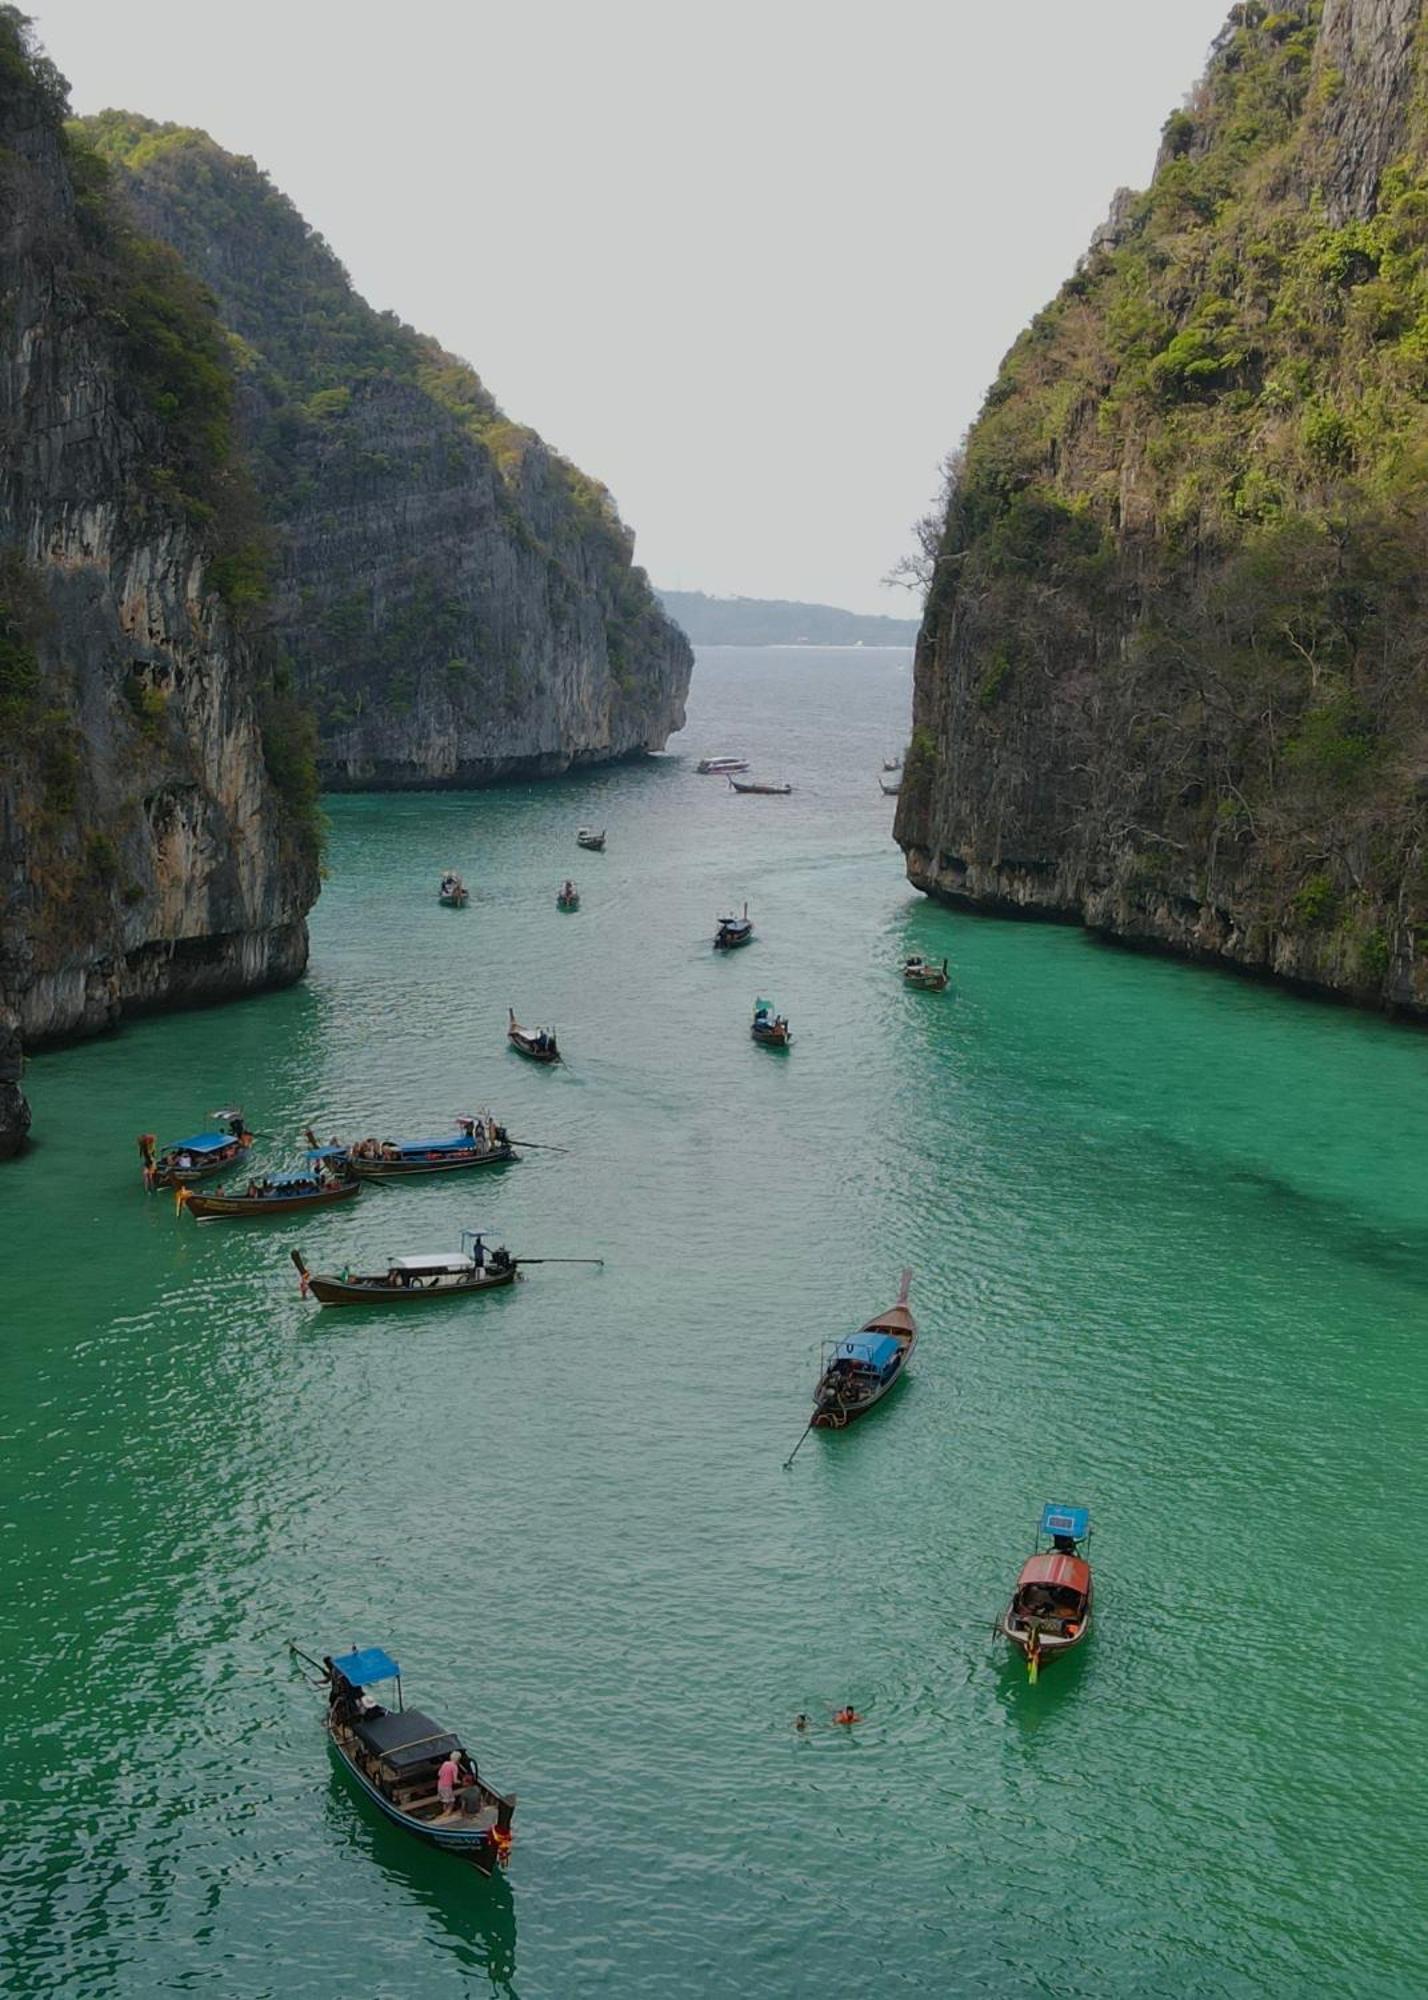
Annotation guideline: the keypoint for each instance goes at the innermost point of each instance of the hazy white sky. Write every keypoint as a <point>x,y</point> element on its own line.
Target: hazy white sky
<point>753,265</point>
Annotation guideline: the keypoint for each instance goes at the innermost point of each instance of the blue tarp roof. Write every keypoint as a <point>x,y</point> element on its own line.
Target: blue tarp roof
<point>1059,1519</point>
<point>206,1142</point>
<point>874,1350</point>
<point>435,1145</point>
<point>367,1664</point>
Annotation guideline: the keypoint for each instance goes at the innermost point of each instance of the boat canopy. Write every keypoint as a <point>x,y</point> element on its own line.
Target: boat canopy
<point>327,1153</point>
<point>1059,1519</point>
<point>875,1350</point>
<point>206,1142</point>
<point>457,1141</point>
<point>1060,1572</point>
<point>405,1740</point>
<point>367,1664</point>
<point>438,1260</point>
<point>287,1181</point>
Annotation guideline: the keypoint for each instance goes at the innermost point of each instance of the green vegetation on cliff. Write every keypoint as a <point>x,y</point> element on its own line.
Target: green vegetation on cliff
<point>436,561</point>
<point>1175,642</point>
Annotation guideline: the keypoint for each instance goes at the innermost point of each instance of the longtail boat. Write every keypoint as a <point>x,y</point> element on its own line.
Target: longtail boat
<point>587,837</point>
<point>1050,1609</point>
<point>453,891</point>
<point>768,1028</point>
<point>731,932</point>
<point>861,1370</point>
<point>439,1274</point>
<point>925,974</point>
<point>892,763</point>
<point>891,790</point>
<point>275,1194</point>
<point>765,791</point>
<point>539,1044</point>
<point>417,1774</point>
<point>568,896</point>
<point>477,1142</point>
<point>195,1159</point>
<point>720,766</point>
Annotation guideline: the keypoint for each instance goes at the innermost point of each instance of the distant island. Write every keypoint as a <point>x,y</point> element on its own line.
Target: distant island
<point>776,621</point>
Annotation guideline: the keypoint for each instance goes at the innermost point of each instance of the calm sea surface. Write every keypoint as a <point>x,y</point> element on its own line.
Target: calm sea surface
<point>1171,1248</point>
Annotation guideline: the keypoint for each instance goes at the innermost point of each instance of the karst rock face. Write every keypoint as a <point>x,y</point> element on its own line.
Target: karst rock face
<point>458,602</point>
<point>1172,676</point>
<point>147,855</point>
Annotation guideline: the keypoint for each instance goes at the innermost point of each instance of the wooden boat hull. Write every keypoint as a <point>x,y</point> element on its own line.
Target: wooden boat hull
<point>733,943</point>
<point>848,1413</point>
<point>484,1845</point>
<point>763,791</point>
<point>176,1177</point>
<point>331,1291</point>
<point>213,1207</point>
<point>937,985</point>
<point>567,902</point>
<point>767,1040</point>
<point>591,846</point>
<point>1053,1644</point>
<point>523,1047</point>
<point>395,1170</point>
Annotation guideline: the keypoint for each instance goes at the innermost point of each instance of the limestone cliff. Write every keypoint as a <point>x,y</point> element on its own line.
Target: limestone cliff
<point>458,602</point>
<point>1172,677</point>
<point>155,838</point>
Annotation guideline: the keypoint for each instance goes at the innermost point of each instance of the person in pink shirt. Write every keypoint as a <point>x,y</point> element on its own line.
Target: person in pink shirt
<point>447,1779</point>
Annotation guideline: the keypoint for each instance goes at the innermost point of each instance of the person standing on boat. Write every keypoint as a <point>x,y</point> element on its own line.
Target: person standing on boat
<point>478,1255</point>
<point>447,1779</point>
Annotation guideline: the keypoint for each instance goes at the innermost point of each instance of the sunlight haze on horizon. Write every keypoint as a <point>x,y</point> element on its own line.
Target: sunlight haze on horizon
<point>753,267</point>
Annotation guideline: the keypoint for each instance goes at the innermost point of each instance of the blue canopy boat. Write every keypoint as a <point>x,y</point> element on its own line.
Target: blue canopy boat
<point>206,1154</point>
<point>477,1142</point>
<point>274,1194</point>
<point>861,1370</point>
<point>417,1774</point>
<point>770,1027</point>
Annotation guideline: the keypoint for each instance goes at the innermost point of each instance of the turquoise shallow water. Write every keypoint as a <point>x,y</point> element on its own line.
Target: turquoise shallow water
<point>1171,1259</point>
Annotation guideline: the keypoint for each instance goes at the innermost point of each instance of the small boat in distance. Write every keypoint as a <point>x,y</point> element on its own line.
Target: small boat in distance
<point>594,841</point>
<point>860,1371</point>
<point>892,763</point>
<point>890,790</point>
<point>196,1159</point>
<point>765,791</point>
<point>416,1773</point>
<point>769,1028</point>
<point>476,1142</point>
<point>453,891</point>
<point>1050,1609</point>
<point>440,1274</point>
<point>568,896</point>
<point>275,1194</point>
<point>720,766</point>
<point>539,1044</point>
<point>733,931</point>
<point>925,974</point>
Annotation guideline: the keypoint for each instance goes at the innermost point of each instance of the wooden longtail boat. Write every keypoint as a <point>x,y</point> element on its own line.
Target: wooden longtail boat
<point>925,974</point>
<point>769,1029</point>
<point>1050,1609</point>
<point>720,766</point>
<point>539,1044</point>
<point>594,841</point>
<point>860,1371</point>
<point>276,1195</point>
<point>731,932</point>
<point>892,763</point>
<point>441,1274</point>
<point>417,1774</point>
<point>478,1142</point>
<point>765,791</point>
<point>453,891</point>
<point>890,790</point>
<point>568,897</point>
<point>196,1159</point>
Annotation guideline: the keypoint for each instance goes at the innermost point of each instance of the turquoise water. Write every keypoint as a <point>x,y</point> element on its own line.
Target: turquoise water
<point>1171,1258</point>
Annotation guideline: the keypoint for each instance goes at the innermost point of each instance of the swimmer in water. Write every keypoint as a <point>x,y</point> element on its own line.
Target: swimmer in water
<point>847,1715</point>
<point>800,1722</point>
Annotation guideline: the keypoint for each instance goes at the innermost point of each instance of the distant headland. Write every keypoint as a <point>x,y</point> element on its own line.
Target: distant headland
<point>776,621</point>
